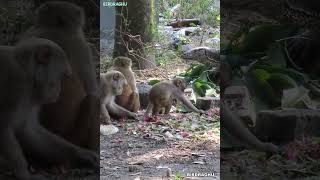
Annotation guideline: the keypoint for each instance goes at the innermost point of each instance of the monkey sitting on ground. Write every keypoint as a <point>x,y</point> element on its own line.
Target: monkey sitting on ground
<point>162,95</point>
<point>232,123</point>
<point>30,76</point>
<point>129,99</point>
<point>111,85</point>
<point>75,115</point>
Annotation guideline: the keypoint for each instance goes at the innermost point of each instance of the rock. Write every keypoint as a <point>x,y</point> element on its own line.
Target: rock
<point>239,101</point>
<point>187,31</point>
<point>202,54</point>
<point>206,103</point>
<point>286,125</point>
<point>186,47</point>
<point>195,31</point>
<point>135,168</point>
<point>213,41</point>
<point>143,90</point>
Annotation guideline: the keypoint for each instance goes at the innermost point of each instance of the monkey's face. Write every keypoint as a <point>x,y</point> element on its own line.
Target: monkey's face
<point>117,83</point>
<point>122,61</point>
<point>180,83</point>
<point>60,14</point>
<point>45,64</point>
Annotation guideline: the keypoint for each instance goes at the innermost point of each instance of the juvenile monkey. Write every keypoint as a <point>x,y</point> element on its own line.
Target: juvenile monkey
<point>75,115</point>
<point>111,84</point>
<point>162,95</point>
<point>129,99</point>
<point>30,76</point>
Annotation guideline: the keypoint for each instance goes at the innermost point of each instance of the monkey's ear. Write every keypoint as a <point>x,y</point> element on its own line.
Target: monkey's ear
<point>116,76</point>
<point>43,55</point>
<point>178,82</point>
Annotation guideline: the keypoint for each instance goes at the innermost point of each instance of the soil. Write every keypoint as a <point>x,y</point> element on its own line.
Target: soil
<point>128,156</point>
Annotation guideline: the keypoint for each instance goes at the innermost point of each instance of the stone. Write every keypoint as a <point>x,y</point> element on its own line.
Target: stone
<point>206,103</point>
<point>135,168</point>
<point>143,90</point>
<point>288,124</point>
<point>202,54</point>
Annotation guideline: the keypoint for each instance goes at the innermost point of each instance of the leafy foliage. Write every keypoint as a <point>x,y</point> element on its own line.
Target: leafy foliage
<point>202,79</point>
<point>259,55</point>
<point>153,82</point>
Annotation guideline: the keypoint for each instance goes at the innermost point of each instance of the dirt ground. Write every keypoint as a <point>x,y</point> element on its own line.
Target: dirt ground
<point>128,156</point>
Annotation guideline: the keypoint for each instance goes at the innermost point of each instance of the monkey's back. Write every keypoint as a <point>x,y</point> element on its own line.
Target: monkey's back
<point>161,91</point>
<point>59,116</point>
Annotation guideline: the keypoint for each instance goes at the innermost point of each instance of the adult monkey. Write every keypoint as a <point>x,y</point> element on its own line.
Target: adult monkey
<point>30,75</point>
<point>129,99</point>
<point>232,122</point>
<point>75,116</point>
<point>112,84</point>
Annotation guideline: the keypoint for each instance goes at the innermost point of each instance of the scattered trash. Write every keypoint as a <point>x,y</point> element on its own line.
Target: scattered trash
<point>107,130</point>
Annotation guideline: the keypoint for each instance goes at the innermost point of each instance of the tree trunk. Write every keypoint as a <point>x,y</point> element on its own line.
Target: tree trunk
<point>135,28</point>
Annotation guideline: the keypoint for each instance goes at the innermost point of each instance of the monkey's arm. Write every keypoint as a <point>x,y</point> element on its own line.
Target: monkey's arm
<point>134,102</point>
<point>54,149</point>
<point>233,125</point>
<point>149,109</point>
<point>179,95</point>
<point>104,114</point>
<point>120,111</point>
<point>13,153</point>
<point>132,84</point>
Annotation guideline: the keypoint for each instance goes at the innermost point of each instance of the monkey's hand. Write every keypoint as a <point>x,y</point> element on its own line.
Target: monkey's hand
<point>105,119</point>
<point>201,111</point>
<point>133,115</point>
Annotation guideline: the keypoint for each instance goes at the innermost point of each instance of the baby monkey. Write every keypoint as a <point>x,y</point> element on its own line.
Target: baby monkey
<point>111,85</point>
<point>162,95</point>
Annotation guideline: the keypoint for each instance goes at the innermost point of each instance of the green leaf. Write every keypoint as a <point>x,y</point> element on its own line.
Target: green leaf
<point>263,89</point>
<point>153,82</point>
<point>280,82</point>
<point>261,73</point>
<point>260,37</point>
<point>277,55</point>
<point>297,76</point>
<point>200,87</point>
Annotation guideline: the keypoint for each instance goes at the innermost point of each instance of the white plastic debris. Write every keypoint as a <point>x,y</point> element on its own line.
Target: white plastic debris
<point>107,130</point>
<point>168,135</point>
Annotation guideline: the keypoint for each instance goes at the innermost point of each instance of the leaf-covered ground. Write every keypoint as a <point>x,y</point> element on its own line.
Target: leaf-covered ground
<point>299,160</point>
<point>161,147</point>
